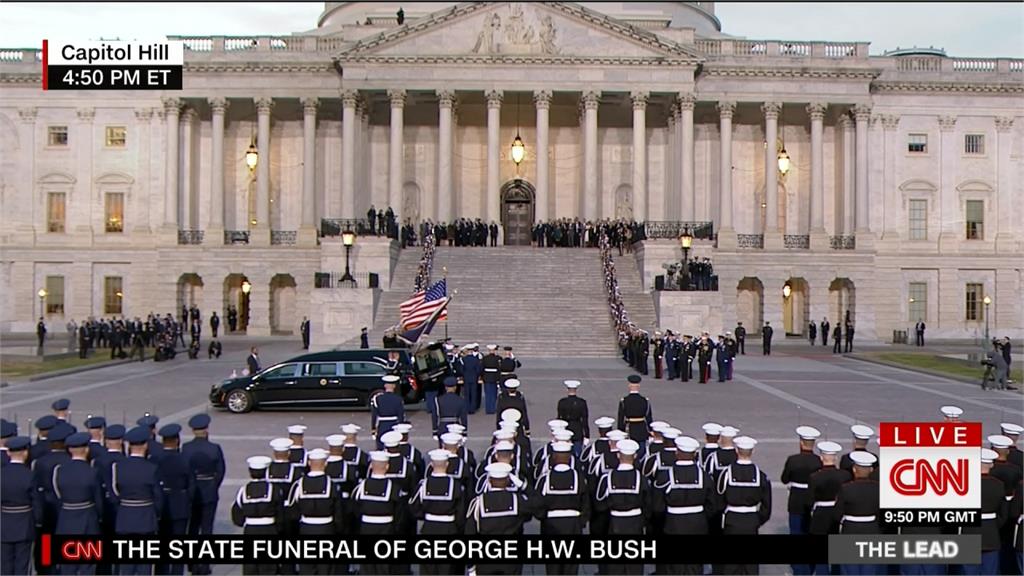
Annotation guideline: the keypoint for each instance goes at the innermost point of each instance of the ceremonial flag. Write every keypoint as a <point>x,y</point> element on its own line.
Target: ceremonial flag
<point>409,305</point>
<point>412,336</point>
<point>433,299</point>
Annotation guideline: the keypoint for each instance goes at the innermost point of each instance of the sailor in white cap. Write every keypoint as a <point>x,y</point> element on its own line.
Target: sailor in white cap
<point>623,492</point>
<point>600,444</point>
<point>376,502</point>
<point>562,501</point>
<point>281,471</point>
<point>257,505</point>
<point>1013,432</point>
<point>408,451</point>
<point>490,364</point>
<point>797,474</point>
<point>726,453</point>
<point>508,366</point>
<point>857,501</point>
<point>344,474</point>
<point>512,397</point>
<point>686,496</point>
<point>386,408</point>
<point>297,453</point>
<point>861,435</point>
<point>351,451</point>
<point>712,434</point>
<point>457,467</point>
<point>607,461</point>
<point>575,412</point>
<point>439,502</point>
<point>824,487</point>
<point>313,501</point>
<point>993,518</point>
<point>655,441</point>
<point>951,413</point>
<point>656,463</point>
<point>498,511</point>
<point>746,493</point>
<point>400,470</point>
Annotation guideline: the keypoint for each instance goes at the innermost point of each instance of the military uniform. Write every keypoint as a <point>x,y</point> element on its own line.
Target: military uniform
<point>386,410</point>
<point>104,466</point>
<point>316,508</point>
<point>470,368</point>
<point>206,461</point>
<point>513,399</point>
<point>635,417</point>
<point>439,502</point>
<point>497,512</point>
<point>258,509</point>
<point>139,498</point>
<point>623,492</point>
<point>377,501</point>
<point>80,500</point>
<point>178,485</point>
<point>994,512</point>
<point>491,364</point>
<point>746,494</point>
<point>856,510</point>
<point>21,510</point>
<point>687,498</point>
<point>562,502</point>
<point>42,468</point>
<point>576,414</point>
<point>449,408</point>
<point>797,474</point>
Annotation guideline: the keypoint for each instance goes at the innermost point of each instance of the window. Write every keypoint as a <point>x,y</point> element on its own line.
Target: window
<point>55,204</point>
<point>57,136</point>
<point>364,369</point>
<point>974,144</point>
<point>114,212</point>
<point>975,212</point>
<point>283,371</point>
<point>918,292</point>
<point>322,369</point>
<point>116,136</point>
<point>974,301</point>
<point>917,143</point>
<point>55,295</point>
<point>918,213</point>
<point>113,296</point>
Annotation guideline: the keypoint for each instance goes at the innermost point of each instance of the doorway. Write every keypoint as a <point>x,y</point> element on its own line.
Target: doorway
<point>517,212</point>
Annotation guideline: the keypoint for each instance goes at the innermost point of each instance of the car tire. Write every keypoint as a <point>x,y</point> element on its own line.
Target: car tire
<point>238,401</point>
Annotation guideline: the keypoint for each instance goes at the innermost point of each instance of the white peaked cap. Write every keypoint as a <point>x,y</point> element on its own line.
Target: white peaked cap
<point>617,435</point>
<point>687,444</point>
<point>829,447</point>
<point>572,384</point>
<point>457,428</point>
<point>808,432</point>
<point>604,422</point>
<point>658,426</point>
<point>745,442</point>
<point>391,439</point>
<point>498,470</point>
<point>987,456</point>
<point>512,383</point>
<point>561,447</point>
<point>402,428</point>
<point>1000,441</point>
<point>504,445</point>
<point>335,458</point>
<point>863,458</point>
<point>439,455</point>
<point>1010,429</point>
<point>511,415</point>
<point>951,411</point>
<point>317,454</point>
<point>258,462</point>
<point>492,346</point>
<point>281,444</point>
<point>351,429</point>
<point>390,379</point>
<point>729,431</point>
<point>504,434</point>
<point>298,429</point>
<point>628,447</point>
<point>336,440</point>
<point>712,429</point>
<point>379,456</point>
<point>451,438</point>
<point>862,432</point>
<point>671,433</point>
<point>563,435</point>
<point>557,424</point>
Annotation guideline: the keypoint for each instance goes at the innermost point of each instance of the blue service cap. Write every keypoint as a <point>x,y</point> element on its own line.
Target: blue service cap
<point>60,432</point>
<point>450,382</point>
<point>77,440</point>
<point>633,379</point>
<point>8,429</point>
<point>137,435</point>
<point>170,431</point>
<point>46,422</point>
<point>94,422</point>
<point>148,421</point>
<point>18,443</point>
<point>199,422</point>
<point>114,432</point>
<point>61,404</point>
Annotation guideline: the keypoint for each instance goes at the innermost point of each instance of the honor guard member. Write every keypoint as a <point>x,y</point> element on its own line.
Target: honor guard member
<point>20,508</point>
<point>258,509</point>
<point>42,444</point>
<point>402,473</point>
<point>491,364</point>
<point>344,475</point>
<point>655,442</point>
<point>687,498</point>
<point>207,462</point>
<point>746,493</point>
<point>575,412</point>
<point>459,466</point>
<point>599,446</point>
<point>8,430</point>
<point>281,472</point>
<point>624,493</point>
<point>137,493</point>
<point>95,425</point>
<point>951,413</point>
<point>439,502</point>
<point>1016,520</point>
<point>43,477</point>
<point>498,511</point>
<point>1013,432</point>
<point>79,497</point>
<point>861,435</point>
<point>562,501</point>
<point>113,444</point>
<point>797,474</point>
<point>857,505</point>
<point>470,368</point>
<point>314,505</point>
<point>511,419</point>
<point>386,409</point>
<point>154,448</point>
<point>726,453</point>
<point>60,411</point>
<point>352,452</point>
<point>823,487</point>
<point>559,433</point>
<point>377,501</point>
<point>297,453</point>
<point>1010,475</point>
<point>712,432</point>
<point>635,412</point>
<point>994,510</point>
<point>507,366</point>
<point>178,485</point>
<point>511,397</point>
<point>410,452</point>
<point>656,465</point>
<point>449,408</point>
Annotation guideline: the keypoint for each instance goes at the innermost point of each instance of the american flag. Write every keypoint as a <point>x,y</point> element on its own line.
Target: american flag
<point>418,309</point>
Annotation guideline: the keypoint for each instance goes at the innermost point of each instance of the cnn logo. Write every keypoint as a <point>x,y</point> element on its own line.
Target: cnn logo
<point>82,551</point>
<point>929,465</point>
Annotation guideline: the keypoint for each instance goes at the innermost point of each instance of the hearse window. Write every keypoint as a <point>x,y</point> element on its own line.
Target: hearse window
<point>322,369</point>
<point>431,359</point>
<point>364,369</point>
<point>283,371</point>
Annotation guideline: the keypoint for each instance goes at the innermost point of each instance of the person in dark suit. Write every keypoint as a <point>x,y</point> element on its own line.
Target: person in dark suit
<point>824,331</point>
<point>766,339</point>
<point>304,330</point>
<point>214,323</point>
<point>494,233</point>
<point>215,349</point>
<point>837,339</point>
<point>364,339</point>
<point>919,332</point>
<point>253,361</point>
<point>41,333</point>
<point>849,337</point>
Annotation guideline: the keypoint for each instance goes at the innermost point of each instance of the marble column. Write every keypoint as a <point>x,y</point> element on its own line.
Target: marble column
<point>396,156</point>
<point>672,196</point>
<point>952,208</point>
<point>445,130</point>
<point>639,155</point>
<point>771,168</point>
<point>189,208</point>
<point>349,145</point>
<point>686,171</point>
<point>307,229</point>
<point>259,235</point>
<point>726,232</point>
<point>845,126</point>
<point>172,115</point>
<point>591,195</point>
<point>1005,166</point>
<point>493,192</point>
<point>542,101</point>
<point>214,234</point>
<point>819,240</point>
<point>862,114</point>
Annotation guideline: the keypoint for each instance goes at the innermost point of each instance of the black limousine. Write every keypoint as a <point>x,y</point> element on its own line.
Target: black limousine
<point>334,379</point>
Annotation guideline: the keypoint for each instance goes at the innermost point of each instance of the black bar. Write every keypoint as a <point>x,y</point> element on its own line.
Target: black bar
<point>893,518</point>
<point>157,77</point>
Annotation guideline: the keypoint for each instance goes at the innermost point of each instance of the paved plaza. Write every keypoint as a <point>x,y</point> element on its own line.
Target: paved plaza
<point>769,397</point>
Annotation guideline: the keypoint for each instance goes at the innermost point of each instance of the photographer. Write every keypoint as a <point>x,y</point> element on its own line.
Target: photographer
<point>994,362</point>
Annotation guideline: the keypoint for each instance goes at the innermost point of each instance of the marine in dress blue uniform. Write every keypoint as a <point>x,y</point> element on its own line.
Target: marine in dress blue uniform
<point>20,508</point>
<point>79,496</point>
<point>797,474</point>
<point>994,511</point>
<point>491,364</point>
<point>386,409</point>
<point>206,460</point>
<point>178,485</point>
<point>449,408</point>
<point>857,507</point>
<point>136,490</point>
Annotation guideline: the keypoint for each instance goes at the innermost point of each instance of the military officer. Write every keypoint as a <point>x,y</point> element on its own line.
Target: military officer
<point>60,409</point>
<point>313,504</point>
<point>42,445</point>
<point>687,497</point>
<point>562,501</point>
<point>491,364</point>
<point>136,489</point>
<point>573,410</point>
<point>440,504</point>
<point>684,362</point>
<point>113,451</point>
<point>352,452</point>
<point>857,504</point>
<point>79,497</point>
<point>624,493</point>
<point>449,408</point>
<point>994,511</point>
<point>377,501</point>
<point>42,468</point>
<point>470,369</point>
<point>823,487</point>
<point>178,485</point>
<point>797,473</point>
<point>635,412</point>
<point>206,460</point>
<point>297,453</point>
<point>508,365</point>
<point>21,508</point>
<point>659,352</point>
<point>258,509</point>
<point>861,435</point>
<point>705,350</point>
<point>672,348</point>
<point>95,425</point>
<point>386,409</point>
<point>498,511</point>
<point>511,397</point>
<point>746,494</point>
<point>951,413</point>
<point>1013,432</point>
<point>154,448</point>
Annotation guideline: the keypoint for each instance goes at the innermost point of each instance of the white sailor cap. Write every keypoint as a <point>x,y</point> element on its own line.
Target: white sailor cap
<point>563,435</point>
<point>829,447</point>
<point>391,439</point>
<point>317,454</point>
<point>729,431</point>
<point>557,424</point>
<point>951,411</point>
<point>390,379</point>
<point>504,434</point>
<point>988,456</point>
<point>572,384</point>
<point>498,470</point>
<point>439,455</point>
<point>745,442</point>
<point>258,462</point>
<point>671,433</point>
<point>297,429</point>
<point>504,446</point>
<point>561,447</point>
<point>862,432</point>
<point>281,444</point>
<point>451,439</point>
<point>474,345</point>
<point>658,426</point>
<point>1000,441</point>
<point>712,428</point>
<point>604,422</point>
<point>628,447</point>
<point>449,346</point>
<point>402,428</point>
<point>863,458</point>
<point>351,429</point>
<point>616,435</point>
<point>512,383</point>
<point>511,415</point>
<point>336,440</point>
<point>1010,429</point>
<point>687,444</point>
<point>334,458</point>
<point>808,432</point>
<point>492,346</point>
<point>379,456</point>
<point>457,428</point>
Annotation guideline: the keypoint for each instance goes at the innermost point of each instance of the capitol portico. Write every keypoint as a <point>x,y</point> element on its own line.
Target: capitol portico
<point>891,186</point>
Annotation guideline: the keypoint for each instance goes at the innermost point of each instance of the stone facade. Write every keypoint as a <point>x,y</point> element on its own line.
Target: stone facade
<point>648,111</point>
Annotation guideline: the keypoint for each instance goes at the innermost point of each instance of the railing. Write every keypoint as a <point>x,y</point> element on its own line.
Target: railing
<point>335,226</point>
<point>795,49</point>
<point>197,44</point>
<point>190,237</point>
<point>236,44</point>
<point>749,47</point>
<point>797,241</point>
<point>974,64</point>
<point>750,240</point>
<point>283,237</point>
<point>848,242</point>
<point>710,47</point>
<point>326,280</point>
<point>673,230</point>
<point>839,50</point>
<point>236,237</point>
<point>329,44</point>
<point>919,63</point>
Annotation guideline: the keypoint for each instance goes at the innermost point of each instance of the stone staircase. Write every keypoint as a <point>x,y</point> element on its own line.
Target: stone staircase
<point>638,302</point>
<point>542,302</point>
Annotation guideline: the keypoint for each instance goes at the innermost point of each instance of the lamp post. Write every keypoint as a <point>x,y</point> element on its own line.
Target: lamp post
<point>348,238</point>
<point>42,301</point>
<point>685,242</point>
<point>787,290</point>
<point>246,289</point>
<point>987,302</point>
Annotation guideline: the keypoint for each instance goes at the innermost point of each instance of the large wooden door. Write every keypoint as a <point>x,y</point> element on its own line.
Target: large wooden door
<point>517,212</point>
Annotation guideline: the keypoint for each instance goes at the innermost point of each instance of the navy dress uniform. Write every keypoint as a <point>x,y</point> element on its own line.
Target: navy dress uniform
<point>206,460</point>
<point>498,511</point>
<point>344,477</point>
<point>511,397</point>
<point>178,485</point>
<point>561,501</point>
<point>857,507</point>
<point>297,453</point>
<point>351,451</point>
<point>439,502</point>
<point>491,364</point>
<point>797,474</point>
<point>687,497</point>
<point>507,366</point>
<point>386,409</point>
<point>576,413</point>
<point>449,408</point>
<point>823,488</point>
<point>79,497</point>
<point>377,501</point>
<point>281,472</point>
<point>258,509</point>
<point>315,506</point>
<point>994,511</point>
<point>746,494</point>
<point>624,493</point>
<point>20,508</point>
<point>635,412</point>
<point>136,489</point>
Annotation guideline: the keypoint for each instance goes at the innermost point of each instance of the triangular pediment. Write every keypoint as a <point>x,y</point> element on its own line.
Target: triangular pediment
<point>519,30</point>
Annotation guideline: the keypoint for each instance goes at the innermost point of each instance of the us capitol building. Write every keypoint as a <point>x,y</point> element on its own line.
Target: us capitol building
<point>891,186</point>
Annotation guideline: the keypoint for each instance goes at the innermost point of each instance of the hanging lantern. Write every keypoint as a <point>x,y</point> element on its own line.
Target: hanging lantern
<point>783,161</point>
<point>252,156</point>
<point>518,150</point>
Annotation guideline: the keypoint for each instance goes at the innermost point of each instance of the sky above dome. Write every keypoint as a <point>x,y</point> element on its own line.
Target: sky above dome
<point>977,29</point>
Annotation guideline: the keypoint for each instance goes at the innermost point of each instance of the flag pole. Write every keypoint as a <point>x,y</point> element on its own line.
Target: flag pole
<point>444,270</point>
